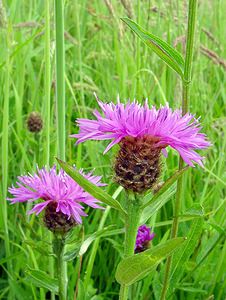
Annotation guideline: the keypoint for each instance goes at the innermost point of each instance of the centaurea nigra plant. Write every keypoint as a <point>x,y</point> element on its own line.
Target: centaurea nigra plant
<point>62,202</point>
<point>143,133</point>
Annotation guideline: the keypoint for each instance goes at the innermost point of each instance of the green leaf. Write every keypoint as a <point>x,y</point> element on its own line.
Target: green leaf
<point>136,267</point>
<point>89,187</point>
<point>42,279</point>
<point>164,50</point>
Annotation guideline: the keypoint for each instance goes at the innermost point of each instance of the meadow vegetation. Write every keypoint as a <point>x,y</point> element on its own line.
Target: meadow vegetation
<point>103,56</point>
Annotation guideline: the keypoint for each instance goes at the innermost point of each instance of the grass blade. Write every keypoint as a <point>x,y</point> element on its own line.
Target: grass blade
<point>60,83</point>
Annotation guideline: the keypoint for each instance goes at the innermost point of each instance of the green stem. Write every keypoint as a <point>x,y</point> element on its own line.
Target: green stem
<point>185,99</point>
<point>47,112</point>
<point>60,83</point>
<point>131,227</point>
<point>189,53</point>
<point>47,83</point>
<point>58,248</point>
<point>138,55</point>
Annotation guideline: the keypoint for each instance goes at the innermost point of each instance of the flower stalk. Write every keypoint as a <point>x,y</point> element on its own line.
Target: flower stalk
<point>185,101</point>
<point>131,227</point>
<point>58,248</point>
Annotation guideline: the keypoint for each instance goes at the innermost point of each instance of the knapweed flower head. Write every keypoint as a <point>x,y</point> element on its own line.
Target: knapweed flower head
<point>144,236</point>
<point>143,132</point>
<point>34,122</point>
<point>61,197</point>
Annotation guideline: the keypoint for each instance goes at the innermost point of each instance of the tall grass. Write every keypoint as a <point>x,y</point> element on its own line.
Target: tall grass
<point>99,60</point>
<point>60,81</point>
<point>5,140</point>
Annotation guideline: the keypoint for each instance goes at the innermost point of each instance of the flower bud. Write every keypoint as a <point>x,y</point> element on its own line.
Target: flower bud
<point>34,122</point>
<point>143,239</point>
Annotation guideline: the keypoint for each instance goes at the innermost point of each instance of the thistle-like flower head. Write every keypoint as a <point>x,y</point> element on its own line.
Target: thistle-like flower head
<point>34,122</point>
<point>169,128</point>
<point>144,236</point>
<point>60,195</point>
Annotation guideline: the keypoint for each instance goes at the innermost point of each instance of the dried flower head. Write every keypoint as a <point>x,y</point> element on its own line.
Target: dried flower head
<point>34,122</point>
<point>143,133</point>
<point>144,236</point>
<point>61,196</point>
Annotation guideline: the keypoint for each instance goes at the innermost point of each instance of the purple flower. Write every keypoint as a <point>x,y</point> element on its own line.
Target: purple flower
<point>57,190</point>
<point>144,236</point>
<point>182,133</point>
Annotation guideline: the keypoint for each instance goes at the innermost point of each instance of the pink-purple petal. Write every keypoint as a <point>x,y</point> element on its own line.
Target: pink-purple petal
<point>50,186</point>
<point>132,119</point>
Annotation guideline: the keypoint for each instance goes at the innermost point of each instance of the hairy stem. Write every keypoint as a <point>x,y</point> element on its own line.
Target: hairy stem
<point>58,248</point>
<point>131,227</point>
<point>185,99</point>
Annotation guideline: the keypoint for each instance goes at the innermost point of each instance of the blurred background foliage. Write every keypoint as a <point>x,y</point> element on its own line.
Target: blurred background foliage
<point>103,56</point>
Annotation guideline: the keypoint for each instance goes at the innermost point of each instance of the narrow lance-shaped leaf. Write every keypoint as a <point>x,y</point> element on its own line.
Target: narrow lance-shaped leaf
<point>137,266</point>
<point>89,187</point>
<point>164,50</point>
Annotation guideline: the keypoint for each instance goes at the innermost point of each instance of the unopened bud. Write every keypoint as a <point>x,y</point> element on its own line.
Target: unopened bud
<point>34,122</point>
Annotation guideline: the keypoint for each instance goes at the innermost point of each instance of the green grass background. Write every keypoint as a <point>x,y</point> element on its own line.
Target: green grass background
<point>103,56</point>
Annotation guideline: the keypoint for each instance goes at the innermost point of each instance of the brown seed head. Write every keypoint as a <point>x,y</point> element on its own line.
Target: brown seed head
<point>34,122</point>
<point>57,222</point>
<point>137,164</point>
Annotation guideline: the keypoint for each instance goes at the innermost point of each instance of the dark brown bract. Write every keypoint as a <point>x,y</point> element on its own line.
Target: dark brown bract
<point>57,222</point>
<point>137,164</point>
